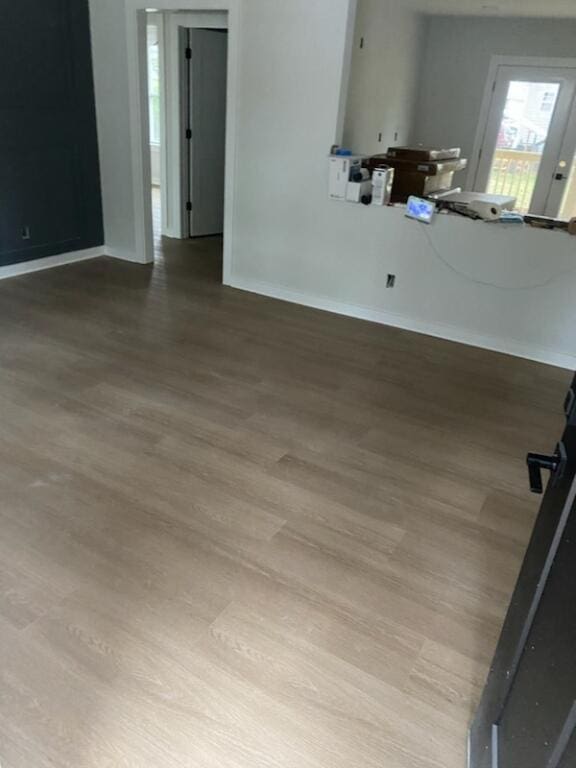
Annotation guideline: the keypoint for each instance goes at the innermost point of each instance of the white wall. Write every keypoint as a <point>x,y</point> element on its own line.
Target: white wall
<point>289,94</point>
<point>343,266</point>
<point>289,110</point>
<point>289,240</point>
<point>455,66</point>
<point>111,86</point>
<point>292,242</point>
<point>384,76</point>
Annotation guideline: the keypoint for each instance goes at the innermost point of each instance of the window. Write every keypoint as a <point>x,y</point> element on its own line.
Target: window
<point>154,83</point>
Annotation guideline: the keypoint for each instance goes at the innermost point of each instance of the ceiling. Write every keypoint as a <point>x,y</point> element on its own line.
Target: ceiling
<point>525,8</point>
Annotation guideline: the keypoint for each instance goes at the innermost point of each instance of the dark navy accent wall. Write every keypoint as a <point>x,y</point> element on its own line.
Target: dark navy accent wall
<point>50,199</point>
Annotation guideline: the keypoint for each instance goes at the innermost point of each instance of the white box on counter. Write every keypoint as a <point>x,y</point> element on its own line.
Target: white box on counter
<point>382,181</point>
<point>341,169</point>
<point>356,190</point>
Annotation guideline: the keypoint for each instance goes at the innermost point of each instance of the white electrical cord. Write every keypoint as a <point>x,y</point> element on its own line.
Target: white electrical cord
<point>449,266</point>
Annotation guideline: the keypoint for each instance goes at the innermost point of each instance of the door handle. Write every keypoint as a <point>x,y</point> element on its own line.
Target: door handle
<point>560,176</point>
<point>556,464</point>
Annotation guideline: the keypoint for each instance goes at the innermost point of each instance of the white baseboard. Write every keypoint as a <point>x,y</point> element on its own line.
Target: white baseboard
<point>36,265</point>
<point>439,330</point>
<point>124,256</point>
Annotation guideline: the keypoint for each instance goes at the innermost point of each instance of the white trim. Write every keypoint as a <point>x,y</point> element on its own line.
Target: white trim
<point>198,19</point>
<point>173,188</point>
<point>160,21</point>
<point>439,330</point>
<point>171,180</point>
<point>121,255</point>
<point>346,69</point>
<point>60,260</point>
<point>497,61</point>
<point>138,101</point>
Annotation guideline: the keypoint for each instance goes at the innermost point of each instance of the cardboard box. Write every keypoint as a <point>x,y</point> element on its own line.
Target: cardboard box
<point>424,153</point>
<point>357,189</point>
<point>403,165</point>
<point>417,177</point>
<point>419,185</point>
<point>382,185</point>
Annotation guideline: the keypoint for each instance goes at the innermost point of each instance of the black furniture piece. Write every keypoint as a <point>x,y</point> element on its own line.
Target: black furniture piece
<point>527,716</point>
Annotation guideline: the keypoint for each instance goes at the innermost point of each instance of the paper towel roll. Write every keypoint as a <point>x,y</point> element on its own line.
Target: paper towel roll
<point>486,211</point>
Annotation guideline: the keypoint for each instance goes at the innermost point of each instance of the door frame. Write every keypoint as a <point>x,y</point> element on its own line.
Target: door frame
<point>495,63</point>
<point>137,54</point>
<point>537,566</point>
<point>545,541</point>
<point>158,20</point>
<point>558,196</point>
<point>558,124</point>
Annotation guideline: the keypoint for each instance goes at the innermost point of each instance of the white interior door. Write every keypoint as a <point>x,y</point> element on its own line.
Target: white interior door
<point>176,151</point>
<point>207,130</point>
<point>525,137</point>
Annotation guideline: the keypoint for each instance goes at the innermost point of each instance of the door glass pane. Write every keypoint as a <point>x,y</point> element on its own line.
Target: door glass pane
<point>521,140</point>
<point>568,207</point>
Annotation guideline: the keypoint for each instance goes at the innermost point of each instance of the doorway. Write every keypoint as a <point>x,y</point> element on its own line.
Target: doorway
<point>187,59</point>
<point>156,113</point>
<point>220,14</point>
<point>529,141</point>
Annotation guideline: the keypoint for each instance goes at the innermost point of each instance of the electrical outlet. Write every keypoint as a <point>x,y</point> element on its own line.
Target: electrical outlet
<point>391,281</point>
<point>26,232</point>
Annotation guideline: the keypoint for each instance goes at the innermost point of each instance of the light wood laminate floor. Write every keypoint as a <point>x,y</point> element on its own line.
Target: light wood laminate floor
<point>237,533</point>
